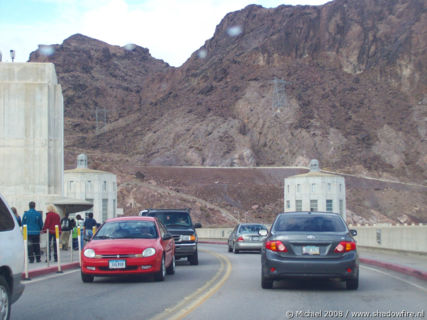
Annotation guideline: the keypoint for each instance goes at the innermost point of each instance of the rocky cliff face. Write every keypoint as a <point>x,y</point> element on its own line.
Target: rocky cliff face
<point>344,83</point>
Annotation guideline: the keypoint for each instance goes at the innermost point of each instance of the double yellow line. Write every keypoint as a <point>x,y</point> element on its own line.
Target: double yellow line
<point>194,300</point>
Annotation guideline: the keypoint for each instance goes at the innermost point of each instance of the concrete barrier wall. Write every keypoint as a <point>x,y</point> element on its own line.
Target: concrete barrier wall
<point>214,233</point>
<point>411,238</point>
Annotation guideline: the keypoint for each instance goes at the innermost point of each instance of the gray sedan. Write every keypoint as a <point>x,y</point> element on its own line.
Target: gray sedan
<point>309,245</point>
<point>245,236</point>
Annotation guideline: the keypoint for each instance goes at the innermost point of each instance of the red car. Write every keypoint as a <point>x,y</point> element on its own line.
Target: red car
<point>127,246</point>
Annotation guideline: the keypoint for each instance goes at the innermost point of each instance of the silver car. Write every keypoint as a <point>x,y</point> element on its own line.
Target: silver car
<point>245,236</point>
<point>309,245</point>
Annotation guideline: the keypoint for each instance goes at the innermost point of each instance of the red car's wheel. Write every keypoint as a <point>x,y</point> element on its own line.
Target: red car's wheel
<point>160,276</point>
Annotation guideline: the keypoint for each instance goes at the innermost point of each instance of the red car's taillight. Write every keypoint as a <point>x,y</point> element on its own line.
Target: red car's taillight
<point>345,246</point>
<point>240,238</point>
<point>276,245</point>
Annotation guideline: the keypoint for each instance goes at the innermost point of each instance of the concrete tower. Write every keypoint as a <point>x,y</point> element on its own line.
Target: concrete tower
<point>316,191</point>
<point>31,134</point>
<point>94,186</point>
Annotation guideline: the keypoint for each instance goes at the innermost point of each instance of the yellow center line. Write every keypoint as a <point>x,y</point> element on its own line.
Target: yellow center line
<point>194,300</point>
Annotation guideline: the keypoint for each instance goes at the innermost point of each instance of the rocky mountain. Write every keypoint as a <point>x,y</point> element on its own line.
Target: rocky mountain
<point>344,83</point>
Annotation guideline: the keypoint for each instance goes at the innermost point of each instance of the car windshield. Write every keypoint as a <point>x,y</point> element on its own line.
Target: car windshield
<point>174,219</point>
<point>309,223</point>
<point>127,230</point>
<point>252,228</point>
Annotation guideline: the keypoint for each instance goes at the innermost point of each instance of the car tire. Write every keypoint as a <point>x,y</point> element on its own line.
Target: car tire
<point>230,249</point>
<point>266,283</point>
<point>161,274</point>
<point>5,299</point>
<point>87,278</point>
<point>194,259</point>
<point>236,251</point>
<point>352,284</point>
<point>171,268</point>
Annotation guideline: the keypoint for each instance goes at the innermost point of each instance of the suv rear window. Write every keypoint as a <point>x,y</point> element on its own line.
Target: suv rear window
<point>309,223</point>
<point>176,219</point>
<point>6,220</point>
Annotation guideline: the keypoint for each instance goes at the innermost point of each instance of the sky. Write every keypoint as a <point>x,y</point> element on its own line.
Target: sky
<point>171,29</point>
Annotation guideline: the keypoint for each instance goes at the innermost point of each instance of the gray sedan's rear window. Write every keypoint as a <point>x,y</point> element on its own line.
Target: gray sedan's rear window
<point>309,223</point>
<point>253,228</point>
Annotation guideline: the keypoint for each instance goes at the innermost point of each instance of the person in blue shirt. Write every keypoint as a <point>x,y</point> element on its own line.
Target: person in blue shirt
<point>33,220</point>
<point>89,223</point>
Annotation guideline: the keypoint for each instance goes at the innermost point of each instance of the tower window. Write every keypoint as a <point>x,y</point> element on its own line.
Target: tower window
<point>329,205</point>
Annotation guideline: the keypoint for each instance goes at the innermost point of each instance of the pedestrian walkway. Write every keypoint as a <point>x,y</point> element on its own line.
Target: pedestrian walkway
<point>69,259</point>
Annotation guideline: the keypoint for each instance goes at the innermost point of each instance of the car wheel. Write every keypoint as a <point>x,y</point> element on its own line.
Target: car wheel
<point>4,299</point>
<point>236,251</point>
<point>194,259</point>
<point>87,277</point>
<point>230,249</point>
<point>352,284</point>
<point>160,276</point>
<point>266,283</point>
<point>171,268</point>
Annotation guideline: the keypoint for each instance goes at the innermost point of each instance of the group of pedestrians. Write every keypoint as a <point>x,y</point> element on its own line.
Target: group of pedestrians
<point>33,219</point>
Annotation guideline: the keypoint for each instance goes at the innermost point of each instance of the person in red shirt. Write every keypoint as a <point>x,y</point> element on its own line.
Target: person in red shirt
<point>52,219</point>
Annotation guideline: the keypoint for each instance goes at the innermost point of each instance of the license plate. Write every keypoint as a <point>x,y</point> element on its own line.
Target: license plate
<point>117,264</point>
<point>310,250</point>
<point>255,238</point>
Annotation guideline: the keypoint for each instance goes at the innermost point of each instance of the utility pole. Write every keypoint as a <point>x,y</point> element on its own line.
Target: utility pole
<point>101,118</point>
<point>279,94</point>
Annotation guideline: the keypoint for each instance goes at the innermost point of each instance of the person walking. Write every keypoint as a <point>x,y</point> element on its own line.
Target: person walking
<point>52,219</point>
<point>74,236</point>
<point>18,218</point>
<point>80,223</point>
<point>66,227</point>
<point>90,222</point>
<point>33,220</point>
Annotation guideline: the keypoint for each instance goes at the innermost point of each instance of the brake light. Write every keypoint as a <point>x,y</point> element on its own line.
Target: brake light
<point>240,238</point>
<point>276,245</point>
<point>345,246</point>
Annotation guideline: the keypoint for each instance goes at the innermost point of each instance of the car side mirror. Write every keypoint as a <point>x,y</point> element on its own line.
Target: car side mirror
<point>353,232</point>
<point>167,236</point>
<point>197,225</point>
<point>262,232</point>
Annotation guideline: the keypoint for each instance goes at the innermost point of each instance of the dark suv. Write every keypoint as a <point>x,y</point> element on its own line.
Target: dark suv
<point>179,224</point>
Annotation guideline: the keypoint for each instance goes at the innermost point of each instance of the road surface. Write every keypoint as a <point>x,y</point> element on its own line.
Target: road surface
<point>223,286</point>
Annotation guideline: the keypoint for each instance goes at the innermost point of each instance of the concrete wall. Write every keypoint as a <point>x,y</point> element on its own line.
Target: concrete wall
<point>406,238</point>
<point>411,238</point>
<point>31,134</point>
<point>214,233</point>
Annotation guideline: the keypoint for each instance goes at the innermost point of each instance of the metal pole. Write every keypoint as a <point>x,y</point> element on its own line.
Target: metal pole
<point>80,245</point>
<point>58,253</point>
<point>25,235</point>
<point>47,248</point>
<point>72,249</point>
<point>93,231</point>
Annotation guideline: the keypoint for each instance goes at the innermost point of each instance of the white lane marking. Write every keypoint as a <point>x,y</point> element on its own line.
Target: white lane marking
<point>55,275</point>
<point>396,277</point>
